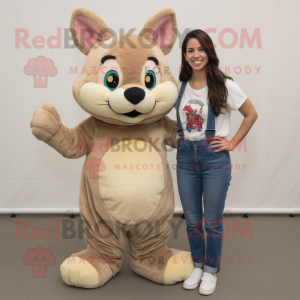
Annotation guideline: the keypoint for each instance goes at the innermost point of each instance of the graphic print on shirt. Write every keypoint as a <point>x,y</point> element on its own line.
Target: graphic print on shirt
<point>194,117</point>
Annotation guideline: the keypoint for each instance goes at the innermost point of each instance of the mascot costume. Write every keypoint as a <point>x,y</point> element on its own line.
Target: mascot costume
<point>126,189</point>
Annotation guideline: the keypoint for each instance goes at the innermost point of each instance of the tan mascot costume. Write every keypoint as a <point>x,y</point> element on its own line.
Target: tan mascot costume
<point>126,189</point>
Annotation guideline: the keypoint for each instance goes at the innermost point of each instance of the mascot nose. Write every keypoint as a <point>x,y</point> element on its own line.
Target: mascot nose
<point>134,95</point>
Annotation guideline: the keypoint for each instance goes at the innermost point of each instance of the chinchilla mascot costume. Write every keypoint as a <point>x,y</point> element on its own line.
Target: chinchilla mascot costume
<point>126,190</point>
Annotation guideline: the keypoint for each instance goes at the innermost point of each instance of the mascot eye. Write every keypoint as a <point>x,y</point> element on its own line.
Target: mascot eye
<point>111,80</point>
<point>150,80</point>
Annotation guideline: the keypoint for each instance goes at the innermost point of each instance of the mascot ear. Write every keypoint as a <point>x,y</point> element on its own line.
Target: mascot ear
<point>88,29</point>
<point>161,30</point>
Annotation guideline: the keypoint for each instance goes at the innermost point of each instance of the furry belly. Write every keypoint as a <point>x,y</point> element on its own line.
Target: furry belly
<point>132,183</point>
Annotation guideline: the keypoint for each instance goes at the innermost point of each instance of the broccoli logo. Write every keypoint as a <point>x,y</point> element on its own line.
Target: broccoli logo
<point>39,258</point>
<point>40,68</point>
<point>94,165</point>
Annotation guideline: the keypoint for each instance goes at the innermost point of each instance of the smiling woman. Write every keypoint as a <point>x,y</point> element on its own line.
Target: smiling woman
<point>207,97</point>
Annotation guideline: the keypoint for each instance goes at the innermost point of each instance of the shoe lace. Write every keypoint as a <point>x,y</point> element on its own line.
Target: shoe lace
<point>207,277</point>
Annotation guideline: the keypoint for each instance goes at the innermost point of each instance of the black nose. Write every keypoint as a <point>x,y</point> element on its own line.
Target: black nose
<point>134,95</point>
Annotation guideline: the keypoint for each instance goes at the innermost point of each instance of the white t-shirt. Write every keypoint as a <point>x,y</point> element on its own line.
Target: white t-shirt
<point>193,110</point>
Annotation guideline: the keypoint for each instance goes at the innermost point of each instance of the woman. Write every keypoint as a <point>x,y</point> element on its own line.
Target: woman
<point>203,160</point>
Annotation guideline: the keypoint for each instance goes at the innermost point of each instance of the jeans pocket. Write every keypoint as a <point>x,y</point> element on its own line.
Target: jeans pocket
<point>219,153</point>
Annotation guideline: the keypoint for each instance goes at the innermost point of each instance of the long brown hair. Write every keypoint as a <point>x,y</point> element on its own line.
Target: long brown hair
<point>215,78</point>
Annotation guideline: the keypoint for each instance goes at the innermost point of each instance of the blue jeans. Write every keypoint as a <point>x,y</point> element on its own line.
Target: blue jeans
<point>200,170</point>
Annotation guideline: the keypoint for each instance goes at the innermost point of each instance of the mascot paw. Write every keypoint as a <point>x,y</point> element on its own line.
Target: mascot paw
<point>79,272</point>
<point>45,122</point>
<point>178,268</point>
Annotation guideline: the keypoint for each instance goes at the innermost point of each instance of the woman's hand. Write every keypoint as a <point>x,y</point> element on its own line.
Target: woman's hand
<point>221,142</point>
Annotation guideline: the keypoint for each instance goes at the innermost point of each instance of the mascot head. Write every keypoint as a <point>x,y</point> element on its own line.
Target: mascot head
<point>126,79</point>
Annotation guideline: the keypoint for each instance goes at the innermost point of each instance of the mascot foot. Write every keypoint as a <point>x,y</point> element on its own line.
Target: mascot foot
<point>86,273</point>
<point>178,268</point>
<point>164,265</point>
<point>79,272</point>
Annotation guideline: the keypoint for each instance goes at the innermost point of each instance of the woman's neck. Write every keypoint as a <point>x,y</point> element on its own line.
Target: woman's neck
<point>198,79</point>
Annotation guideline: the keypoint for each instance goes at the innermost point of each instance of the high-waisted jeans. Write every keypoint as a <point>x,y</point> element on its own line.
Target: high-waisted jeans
<point>200,170</point>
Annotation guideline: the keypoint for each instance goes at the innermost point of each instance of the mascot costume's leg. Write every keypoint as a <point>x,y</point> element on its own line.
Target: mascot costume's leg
<point>126,189</point>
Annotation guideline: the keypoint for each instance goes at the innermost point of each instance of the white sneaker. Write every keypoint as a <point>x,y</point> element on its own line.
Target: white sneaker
<point>193,280</point>
<point>208,283</point>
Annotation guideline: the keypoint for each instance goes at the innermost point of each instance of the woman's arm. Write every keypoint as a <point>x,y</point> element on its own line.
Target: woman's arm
<point>250,116</point>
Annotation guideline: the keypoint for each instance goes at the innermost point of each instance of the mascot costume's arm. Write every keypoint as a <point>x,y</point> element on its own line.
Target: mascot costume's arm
<point>171,128</point>
<point>46,126</point>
